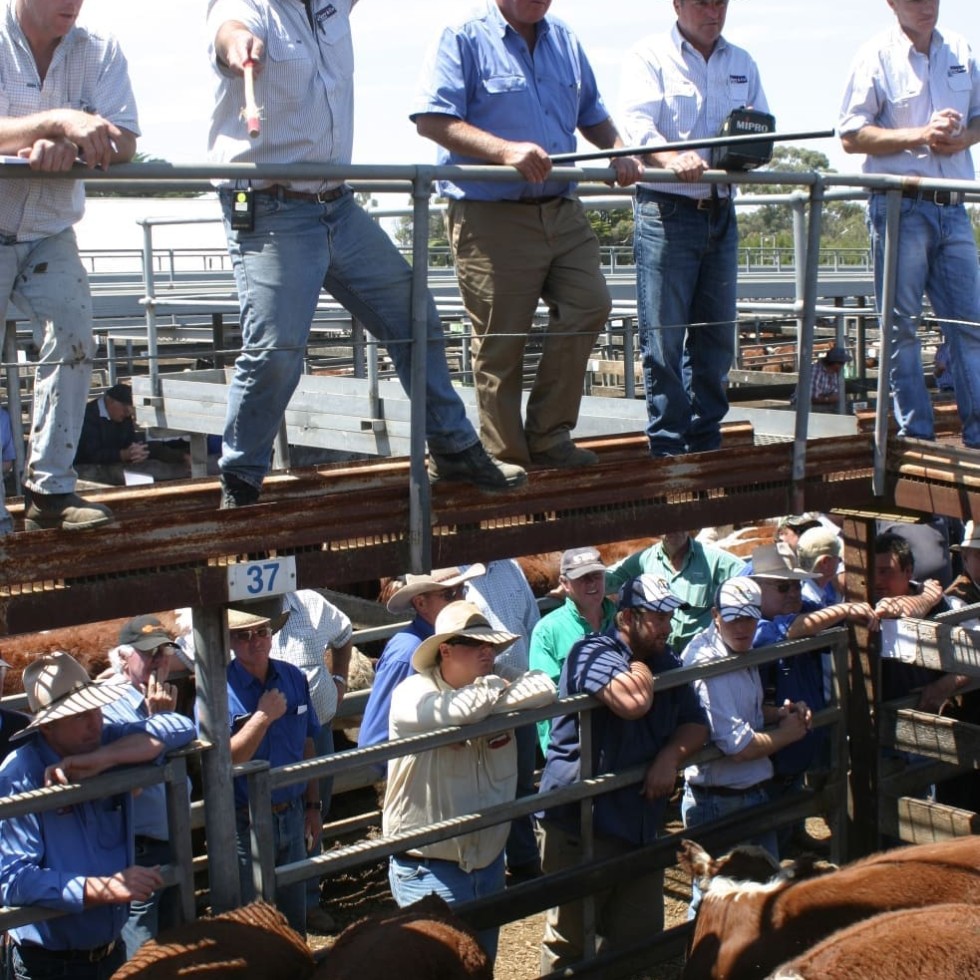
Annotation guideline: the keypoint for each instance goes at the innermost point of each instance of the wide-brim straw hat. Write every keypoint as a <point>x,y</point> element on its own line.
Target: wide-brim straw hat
<point>459,619</point>
<point>57,686</point>
<point>777,561</point>
<point>439,578</point>
<point>259,613</point>
<point>971,537</point>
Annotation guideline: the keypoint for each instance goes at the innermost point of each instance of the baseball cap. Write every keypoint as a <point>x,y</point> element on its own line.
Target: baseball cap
<point>737,598</point>
<point>145,633</point>
<point>577,562</point>
<point>648,592</point>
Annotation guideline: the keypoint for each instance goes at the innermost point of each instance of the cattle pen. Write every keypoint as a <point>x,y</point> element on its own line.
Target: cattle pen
<point>357,520</point>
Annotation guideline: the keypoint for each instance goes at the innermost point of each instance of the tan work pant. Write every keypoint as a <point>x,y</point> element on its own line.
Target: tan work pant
<point>509,255</point>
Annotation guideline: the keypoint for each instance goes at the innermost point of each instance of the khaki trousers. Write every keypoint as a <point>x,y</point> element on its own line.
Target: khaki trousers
<point>509,255</point>
<point>630,911</point>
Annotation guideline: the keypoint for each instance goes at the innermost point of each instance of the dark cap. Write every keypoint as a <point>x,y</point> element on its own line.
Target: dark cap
<point>837,355</point>
<point>120,393</point>
<point>145,633</point>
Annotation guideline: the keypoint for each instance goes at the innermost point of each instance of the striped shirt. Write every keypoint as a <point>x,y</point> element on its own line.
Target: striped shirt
<point>306,83</point>
<point>88,73</point>
<point>313,625</point>
<point>894,86</point>
<point>671,94</point>
<point>505,598</point>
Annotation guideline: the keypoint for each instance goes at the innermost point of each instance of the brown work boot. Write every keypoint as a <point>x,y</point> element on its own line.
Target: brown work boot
<point>66,511</point>
<point>476,466</point>
<point>565,455</point>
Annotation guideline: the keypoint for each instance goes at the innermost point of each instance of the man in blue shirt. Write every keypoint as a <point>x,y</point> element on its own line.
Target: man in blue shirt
<point>426,596</point>
<point>272,717</point>
<point>77,859</point>
<point>630,728</point>
<point>510,85</point>
<point>144,657</point>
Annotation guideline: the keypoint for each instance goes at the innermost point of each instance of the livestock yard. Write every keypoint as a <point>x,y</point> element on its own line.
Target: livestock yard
<point>369,514</point>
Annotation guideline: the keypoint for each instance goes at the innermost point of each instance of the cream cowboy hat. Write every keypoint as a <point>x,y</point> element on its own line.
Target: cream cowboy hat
<point>261,612</point>
<point>440,578</point>
<point>57,686</point>
<point>777,561</point>
<point>459,619</point>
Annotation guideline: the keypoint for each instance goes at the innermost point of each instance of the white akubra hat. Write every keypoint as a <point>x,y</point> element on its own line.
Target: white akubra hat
<point>971,537</point>
<point>459,619</point>
<point>777,561</point>
<point>57,686</point>
<point>440,578</point>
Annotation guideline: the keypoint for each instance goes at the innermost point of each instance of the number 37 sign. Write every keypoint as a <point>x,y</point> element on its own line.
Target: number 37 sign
<point>256,579</point>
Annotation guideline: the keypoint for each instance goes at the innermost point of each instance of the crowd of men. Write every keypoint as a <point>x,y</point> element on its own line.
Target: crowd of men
<point>509,85</point>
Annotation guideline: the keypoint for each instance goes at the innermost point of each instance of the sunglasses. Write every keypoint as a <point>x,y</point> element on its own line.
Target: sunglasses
<point>467,641</point>
<point>246,636</point>
<point>784,587</point>
<point>448,595</point>
<point>164,650</point>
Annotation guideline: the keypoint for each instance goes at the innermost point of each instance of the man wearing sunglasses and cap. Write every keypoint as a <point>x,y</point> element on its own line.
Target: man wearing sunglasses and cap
<point>271,716</point>
<point>144,658</point>
<point>455,684</point>
<point>76,859</point>
<point>630,728</point>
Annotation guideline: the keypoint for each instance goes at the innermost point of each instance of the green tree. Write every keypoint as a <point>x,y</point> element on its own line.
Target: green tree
<point>95,189</point>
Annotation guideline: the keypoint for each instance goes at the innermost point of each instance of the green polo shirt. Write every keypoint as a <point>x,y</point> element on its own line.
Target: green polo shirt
<point>551,640</point>
<point>696,582</point>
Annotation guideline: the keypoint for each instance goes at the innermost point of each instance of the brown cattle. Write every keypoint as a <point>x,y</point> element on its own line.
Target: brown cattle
<point>254,942</point>
<point>940,942</point>
<point>746,929</point>
<point>424,940</point>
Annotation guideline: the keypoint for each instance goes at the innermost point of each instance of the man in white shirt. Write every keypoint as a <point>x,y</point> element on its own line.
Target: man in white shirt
<point>912,106</point>
<point>682,86</point>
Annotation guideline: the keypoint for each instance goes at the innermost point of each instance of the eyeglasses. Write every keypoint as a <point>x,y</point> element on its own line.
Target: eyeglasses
<point>158,653</point>
<point>784,587</point>
<point>467,641</point>
<point>246,636</point>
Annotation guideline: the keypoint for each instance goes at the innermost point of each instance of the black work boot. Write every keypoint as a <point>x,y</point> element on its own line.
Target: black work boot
<point>67,511</point>
<point>475,465</point>
<point>235,492</point>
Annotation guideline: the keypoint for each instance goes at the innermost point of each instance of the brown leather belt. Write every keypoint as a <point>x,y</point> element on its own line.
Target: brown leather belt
<point>286,194</point>
<point>537,200</point>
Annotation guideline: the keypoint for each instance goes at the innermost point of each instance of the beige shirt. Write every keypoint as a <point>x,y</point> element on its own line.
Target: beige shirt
<point>462,778</point>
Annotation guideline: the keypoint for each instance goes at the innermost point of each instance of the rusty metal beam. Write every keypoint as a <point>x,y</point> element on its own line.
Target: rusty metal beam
<point>170,546</point>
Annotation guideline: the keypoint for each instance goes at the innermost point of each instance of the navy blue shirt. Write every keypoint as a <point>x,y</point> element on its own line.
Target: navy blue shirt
<point>618,743</point>
<point>284,742</point>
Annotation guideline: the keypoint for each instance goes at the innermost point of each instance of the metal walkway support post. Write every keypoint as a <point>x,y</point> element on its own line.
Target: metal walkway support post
<point>15,407</point>
<point>807,302</point>
<point>149,302</point>
<point>212,709</point>
<point>419,494</point>
<point>893,217</point>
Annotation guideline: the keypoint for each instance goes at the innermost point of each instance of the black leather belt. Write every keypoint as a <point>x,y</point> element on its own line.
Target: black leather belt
<point>942,198</point>
<point>286,194</point>
<point>724,790</point>
<point>85,955</point>
<point>537,200</point>
<point>698,203</point>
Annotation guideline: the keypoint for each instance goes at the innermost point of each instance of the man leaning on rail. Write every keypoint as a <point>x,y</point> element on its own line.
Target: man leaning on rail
<point>912,106</point>
<point>65,96</point>
<point>77,859</point>
<point>290,239</point>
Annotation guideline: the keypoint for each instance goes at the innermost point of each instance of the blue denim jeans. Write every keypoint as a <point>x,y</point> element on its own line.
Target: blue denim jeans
<point>412,879</point>
<point>322,745</point>
<point>698,806</point>
<point>161,910</point>
<point>296,249</point>
<point>48,283</point>
<point>937,256</point>
<point>686,274</point>
<point>289,843</point>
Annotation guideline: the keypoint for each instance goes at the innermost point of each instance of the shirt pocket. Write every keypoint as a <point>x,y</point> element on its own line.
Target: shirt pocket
<point>960,90</point>
<point>289,72</point>
<point>504,85</point>
<point>738,94</point>
<point>335,36</point>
